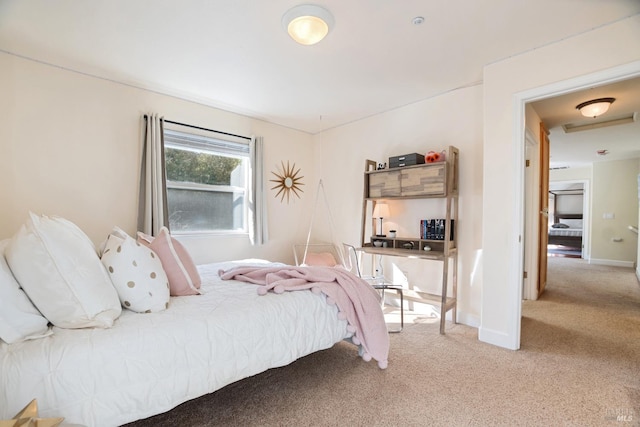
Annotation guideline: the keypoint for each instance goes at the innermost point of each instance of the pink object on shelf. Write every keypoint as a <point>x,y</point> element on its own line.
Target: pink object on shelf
<point>434,157</point>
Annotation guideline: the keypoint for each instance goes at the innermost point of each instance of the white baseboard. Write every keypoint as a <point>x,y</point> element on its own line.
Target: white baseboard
<point>612,262</point>
<point>498,338</point>
<point>468,319</point>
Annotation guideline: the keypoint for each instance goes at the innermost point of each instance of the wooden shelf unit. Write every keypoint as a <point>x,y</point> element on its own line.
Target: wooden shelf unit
<point>426,181</point>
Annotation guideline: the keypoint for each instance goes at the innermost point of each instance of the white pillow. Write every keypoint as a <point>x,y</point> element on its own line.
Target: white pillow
<point>136,272</point>
<point>19,319</point>
<point>572,223</point>
<point>58,267</point>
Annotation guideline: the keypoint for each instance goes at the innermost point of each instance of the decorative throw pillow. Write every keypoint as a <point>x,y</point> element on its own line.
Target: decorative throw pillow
<point>183,275</point>
<point>560,225</point>
<point>136,272</point>
<point>322,259</point>
<point>58,267</point>
<point>19,319</point>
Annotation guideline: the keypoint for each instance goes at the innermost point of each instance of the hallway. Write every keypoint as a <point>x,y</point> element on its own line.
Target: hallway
<point>590,314</point>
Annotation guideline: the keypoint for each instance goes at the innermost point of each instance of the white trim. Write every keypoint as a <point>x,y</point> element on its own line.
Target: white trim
<point>468,319</point>
<point>499,338</point>
<point>599,78</point>
<point>612,262</point>
<point>515,265</point>
<point>586,219</point>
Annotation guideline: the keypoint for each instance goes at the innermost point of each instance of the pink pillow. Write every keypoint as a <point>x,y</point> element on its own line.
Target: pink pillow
<point>324,259</point>
<point>177,263</point>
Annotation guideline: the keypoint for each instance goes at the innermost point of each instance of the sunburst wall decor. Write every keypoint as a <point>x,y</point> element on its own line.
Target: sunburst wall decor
<point>288,182</point>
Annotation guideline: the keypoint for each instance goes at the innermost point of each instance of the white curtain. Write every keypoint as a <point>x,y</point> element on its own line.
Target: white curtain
<point>258,232</point>
<point>152,206</point>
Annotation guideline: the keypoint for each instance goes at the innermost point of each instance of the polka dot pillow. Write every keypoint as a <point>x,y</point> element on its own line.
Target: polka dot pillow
<point>136,272</point>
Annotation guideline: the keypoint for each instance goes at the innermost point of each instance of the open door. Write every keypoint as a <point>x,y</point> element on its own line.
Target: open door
<point>543,228</point>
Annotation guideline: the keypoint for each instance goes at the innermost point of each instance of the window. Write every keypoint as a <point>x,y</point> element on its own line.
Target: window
<point>208,182</point>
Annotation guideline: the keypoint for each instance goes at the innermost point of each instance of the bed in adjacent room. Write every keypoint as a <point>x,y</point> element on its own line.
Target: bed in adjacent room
<point>566,231</point>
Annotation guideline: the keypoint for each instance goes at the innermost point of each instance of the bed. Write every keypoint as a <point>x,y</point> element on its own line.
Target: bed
<point>566,231</point>
<point>148,363</point>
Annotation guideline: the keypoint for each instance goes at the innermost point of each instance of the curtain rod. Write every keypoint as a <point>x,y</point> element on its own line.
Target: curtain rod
<point>205,129</point>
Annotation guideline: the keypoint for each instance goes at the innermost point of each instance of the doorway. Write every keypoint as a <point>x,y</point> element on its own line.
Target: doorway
<point>531,245</point>
<point>569,204</point>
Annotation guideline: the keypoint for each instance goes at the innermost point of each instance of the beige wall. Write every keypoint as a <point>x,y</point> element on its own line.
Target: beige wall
<point>434,124</point>
<point>595,51</point>
<point>614,191</point>
<point>612,188</point>
<point>70,146</point>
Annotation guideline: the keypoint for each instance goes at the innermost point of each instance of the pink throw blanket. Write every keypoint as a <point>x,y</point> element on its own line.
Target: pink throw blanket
<point>356,300</point>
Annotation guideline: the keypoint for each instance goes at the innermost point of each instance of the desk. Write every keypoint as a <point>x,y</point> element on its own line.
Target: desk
<point>445,302</point>
<point>406,253</point>
<point>427,182</point>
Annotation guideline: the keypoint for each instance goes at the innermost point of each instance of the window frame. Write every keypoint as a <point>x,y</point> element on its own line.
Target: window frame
<point>209,142</point>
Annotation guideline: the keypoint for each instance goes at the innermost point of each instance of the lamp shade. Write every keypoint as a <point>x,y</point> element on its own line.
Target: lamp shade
<point>307,23</point>
<point>381,210</point>
<point>595,107</point>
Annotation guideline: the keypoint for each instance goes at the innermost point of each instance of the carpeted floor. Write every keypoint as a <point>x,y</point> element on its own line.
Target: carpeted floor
<point>579,365</point>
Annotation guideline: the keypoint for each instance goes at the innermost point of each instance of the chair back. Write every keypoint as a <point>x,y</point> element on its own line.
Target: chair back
<point>350,259</point>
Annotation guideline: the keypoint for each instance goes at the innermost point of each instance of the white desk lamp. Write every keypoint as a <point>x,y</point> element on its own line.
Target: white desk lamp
<point>381,210</point>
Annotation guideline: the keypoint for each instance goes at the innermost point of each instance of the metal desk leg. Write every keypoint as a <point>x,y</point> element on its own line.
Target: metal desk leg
<point>398,289</point>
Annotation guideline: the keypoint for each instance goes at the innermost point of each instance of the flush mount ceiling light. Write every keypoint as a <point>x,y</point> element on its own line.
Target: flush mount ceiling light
<point>307,23</point>
<point>595,107</point>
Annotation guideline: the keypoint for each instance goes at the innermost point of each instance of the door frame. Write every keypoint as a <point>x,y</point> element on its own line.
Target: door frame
<point>521,252</point>
<point>532,151</point>
<point>543,209</point>
<point>586,213</point>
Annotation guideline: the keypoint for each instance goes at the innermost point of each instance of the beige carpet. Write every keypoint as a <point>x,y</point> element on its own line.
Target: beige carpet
<point>579,365</point>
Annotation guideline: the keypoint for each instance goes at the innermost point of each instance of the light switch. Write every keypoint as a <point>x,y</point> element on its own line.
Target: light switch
<point>608,215</point>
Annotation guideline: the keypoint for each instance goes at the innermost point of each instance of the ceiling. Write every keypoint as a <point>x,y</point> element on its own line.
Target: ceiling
<point>234,54</point>
<point>579,149</point>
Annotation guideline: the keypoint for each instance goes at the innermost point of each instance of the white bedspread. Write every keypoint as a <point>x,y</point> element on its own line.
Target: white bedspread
<point>565,232</point>
<point>149,363</point>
